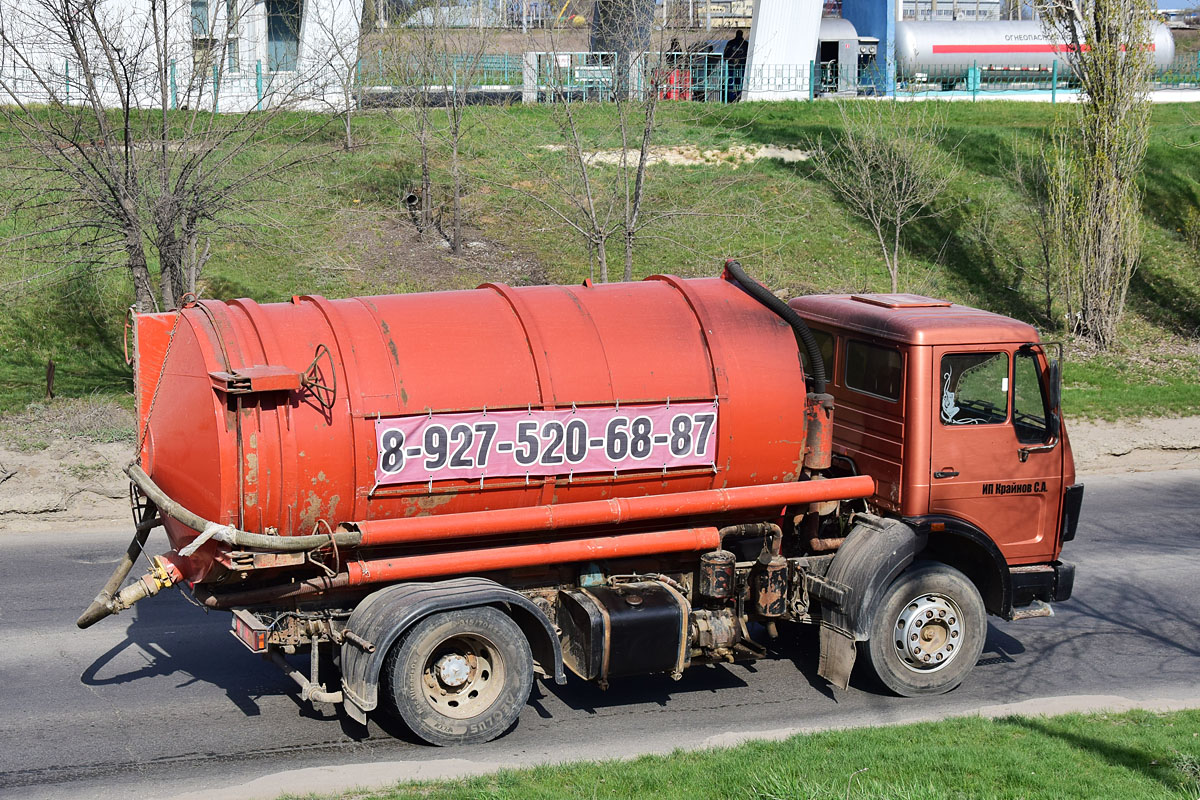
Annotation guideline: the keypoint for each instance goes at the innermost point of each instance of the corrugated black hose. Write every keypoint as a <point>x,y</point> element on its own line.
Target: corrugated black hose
<point>804,336</point>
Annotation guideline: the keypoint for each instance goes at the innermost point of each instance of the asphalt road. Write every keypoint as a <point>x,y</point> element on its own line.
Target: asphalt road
<point>162,701</point>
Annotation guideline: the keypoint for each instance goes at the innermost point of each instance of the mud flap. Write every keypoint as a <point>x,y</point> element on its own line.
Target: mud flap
<point>837,656</point>
<point>876,550</point>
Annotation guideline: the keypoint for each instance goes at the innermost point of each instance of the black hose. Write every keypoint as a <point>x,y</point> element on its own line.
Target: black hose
<point>804,337</point>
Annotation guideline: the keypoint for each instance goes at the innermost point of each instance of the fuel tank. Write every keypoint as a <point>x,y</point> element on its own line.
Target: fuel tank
<point>290,418</point>
<point>1002,44</point>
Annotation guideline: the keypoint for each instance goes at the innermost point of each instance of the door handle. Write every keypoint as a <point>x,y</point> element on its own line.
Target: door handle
<point>946,473</point>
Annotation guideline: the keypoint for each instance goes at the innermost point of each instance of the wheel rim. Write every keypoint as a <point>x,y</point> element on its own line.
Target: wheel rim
<point>928,633</point>
<point>463,676</point>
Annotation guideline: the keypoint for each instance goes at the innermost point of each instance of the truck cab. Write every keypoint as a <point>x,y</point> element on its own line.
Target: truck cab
<point>956,413</point>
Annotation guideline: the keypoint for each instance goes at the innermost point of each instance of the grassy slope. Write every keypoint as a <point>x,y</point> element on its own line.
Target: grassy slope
<point>1132,755</point>
<point>784,225</point>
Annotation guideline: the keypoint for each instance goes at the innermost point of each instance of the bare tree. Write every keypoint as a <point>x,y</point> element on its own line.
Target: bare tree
<point>339,26</point>
<point>891,167</point>
<point>1098,160</point>
<point>598,185</point>
<point>440,62</point>
<point>123,159</point>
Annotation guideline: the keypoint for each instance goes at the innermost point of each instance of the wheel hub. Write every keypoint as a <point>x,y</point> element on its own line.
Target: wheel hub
<point>453,670</point>
<point>928,632</point>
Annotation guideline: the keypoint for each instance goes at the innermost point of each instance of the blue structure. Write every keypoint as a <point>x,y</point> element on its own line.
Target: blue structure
<point>877,18</point>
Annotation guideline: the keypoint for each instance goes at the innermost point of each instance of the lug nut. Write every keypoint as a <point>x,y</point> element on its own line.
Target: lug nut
<point>942,612</point>
<point>939,656</point>
<point>953,634</point>
<point>917,624</point>
<point>929,615</point>
<point>951,620</point>
<point>913,637</point>
<point>949,647</point>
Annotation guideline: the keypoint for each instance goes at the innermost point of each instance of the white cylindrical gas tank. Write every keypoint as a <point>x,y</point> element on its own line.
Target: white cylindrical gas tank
<point>1002,44</point>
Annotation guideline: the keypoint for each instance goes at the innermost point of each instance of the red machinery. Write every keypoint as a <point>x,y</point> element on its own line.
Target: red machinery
<point>454,490</point>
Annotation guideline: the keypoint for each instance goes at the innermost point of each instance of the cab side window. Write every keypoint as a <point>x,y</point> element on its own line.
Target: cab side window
<point>825,345</point>
<point>974,388</point>
<point>1029,401</point>
<point>874,370</point>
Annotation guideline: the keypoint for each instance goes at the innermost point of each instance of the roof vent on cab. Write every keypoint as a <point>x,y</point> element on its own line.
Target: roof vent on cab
<point>900,301</point>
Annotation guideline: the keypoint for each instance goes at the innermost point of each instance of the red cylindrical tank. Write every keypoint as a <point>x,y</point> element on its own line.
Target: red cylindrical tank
<point>289,416</point>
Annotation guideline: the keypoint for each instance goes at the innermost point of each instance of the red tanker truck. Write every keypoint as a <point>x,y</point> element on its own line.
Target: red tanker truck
<point>453,492</point>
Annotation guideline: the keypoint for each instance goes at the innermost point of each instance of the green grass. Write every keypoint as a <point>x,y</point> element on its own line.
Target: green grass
<point>325,227</point>
<point>1132,755</point>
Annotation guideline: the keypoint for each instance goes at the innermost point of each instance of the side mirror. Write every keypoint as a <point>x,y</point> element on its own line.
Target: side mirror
<point>1055,376</point>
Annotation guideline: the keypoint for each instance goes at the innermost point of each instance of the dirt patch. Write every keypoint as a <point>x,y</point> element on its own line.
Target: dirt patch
<point>61,463</point>
<point>1136,445</point>
<point>689,155</point>
<point>390,251</point>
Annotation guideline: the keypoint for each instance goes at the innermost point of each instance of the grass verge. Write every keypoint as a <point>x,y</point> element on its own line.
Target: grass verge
<point>1137,754</point>
<point>340,229</point>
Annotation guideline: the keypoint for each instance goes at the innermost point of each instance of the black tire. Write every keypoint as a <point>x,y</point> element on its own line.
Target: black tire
<point>459,677</point>
<point>927,631</point>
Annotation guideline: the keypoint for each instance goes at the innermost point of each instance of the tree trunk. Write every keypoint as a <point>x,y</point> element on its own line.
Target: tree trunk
<point>456,175</point>
<point>602,258</point>
<point>143,287</point>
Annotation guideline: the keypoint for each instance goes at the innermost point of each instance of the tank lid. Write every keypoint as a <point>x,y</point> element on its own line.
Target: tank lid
<point>900,300</point>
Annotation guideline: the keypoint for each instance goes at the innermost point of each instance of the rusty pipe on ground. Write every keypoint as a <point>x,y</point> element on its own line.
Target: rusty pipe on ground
<point>610,512</point>
<point>101,606</point>
<point>434,565</point>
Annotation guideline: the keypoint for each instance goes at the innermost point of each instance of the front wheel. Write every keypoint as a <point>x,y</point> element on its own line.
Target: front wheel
<point>459,677</point>
<point>927,631</point>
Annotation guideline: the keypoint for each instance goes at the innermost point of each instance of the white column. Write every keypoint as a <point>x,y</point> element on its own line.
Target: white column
<point>783,42</point>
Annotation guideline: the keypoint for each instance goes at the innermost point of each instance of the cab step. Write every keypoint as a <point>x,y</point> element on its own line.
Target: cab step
<point>1038,608</point>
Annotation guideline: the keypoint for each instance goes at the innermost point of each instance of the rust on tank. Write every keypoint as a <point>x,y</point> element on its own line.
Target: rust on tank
<point>311,511</point>
<point>251,467</point>
<point>251,499</point>
<point>419,506</point>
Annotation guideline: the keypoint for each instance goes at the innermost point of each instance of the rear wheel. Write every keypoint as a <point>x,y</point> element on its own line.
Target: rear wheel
<point>927,631</point>
<point>459,677</point>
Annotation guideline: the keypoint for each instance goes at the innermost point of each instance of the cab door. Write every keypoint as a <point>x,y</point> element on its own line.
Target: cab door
<point>995,455</point>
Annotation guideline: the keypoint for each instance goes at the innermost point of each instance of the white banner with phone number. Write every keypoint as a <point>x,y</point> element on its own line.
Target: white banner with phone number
<point>477,444</point>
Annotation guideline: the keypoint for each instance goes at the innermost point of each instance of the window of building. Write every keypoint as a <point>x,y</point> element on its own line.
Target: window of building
<point>232,28</point>
<point>200,24</point>
<point>875,370</point>
<point>283,34</point>
<point>974,388</point>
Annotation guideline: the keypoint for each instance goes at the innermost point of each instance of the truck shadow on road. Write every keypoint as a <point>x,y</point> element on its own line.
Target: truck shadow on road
<point>168,638</point>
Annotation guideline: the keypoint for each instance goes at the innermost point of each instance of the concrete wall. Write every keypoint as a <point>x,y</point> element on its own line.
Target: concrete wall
<point>49,72</point>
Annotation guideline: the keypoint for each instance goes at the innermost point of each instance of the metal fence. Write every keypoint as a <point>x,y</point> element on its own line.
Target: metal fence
<point>541,77</point>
